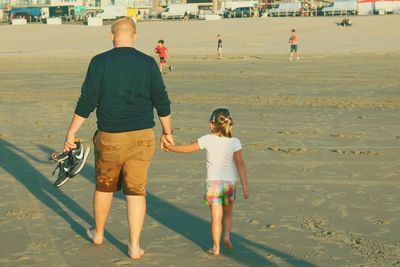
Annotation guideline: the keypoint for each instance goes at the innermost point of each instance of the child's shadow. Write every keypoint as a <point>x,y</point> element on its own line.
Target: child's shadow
<point>195,229</point>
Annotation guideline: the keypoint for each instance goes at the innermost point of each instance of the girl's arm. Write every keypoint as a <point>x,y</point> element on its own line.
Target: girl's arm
<point>241,168</point>
<point>183,148</point>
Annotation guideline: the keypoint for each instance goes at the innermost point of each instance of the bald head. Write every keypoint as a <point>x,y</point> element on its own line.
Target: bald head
<point>123,32</point>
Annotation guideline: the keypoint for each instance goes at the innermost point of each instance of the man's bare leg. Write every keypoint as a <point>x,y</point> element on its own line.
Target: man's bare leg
<point>136,206</point>
<point>101,207</point>
<point>216,228</point>
<point>227,222</point>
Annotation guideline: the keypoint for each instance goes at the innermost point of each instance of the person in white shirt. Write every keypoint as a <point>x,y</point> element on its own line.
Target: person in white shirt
<point>224,164</point>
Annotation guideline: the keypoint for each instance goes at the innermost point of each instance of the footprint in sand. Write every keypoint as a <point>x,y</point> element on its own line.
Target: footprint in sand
<point>253,221</point>
<point>236,57</point>
<point>374,220</point>
<point>269,226</point>
<point>28,213</point>
<point>121,262</point>
<point>292,132</point>
<point>299,150</point>
<point>23,258</point>
<point>315,252</point>
<point>357,152</point>
<point>291,150</point>
<point>338,135</point>
<point>258,146</point>
<point>317,225</point>
<point>272,257</point>
<point>318,202</point>
<point>341,209</point>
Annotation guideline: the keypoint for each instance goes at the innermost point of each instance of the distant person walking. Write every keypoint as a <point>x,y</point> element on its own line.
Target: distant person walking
<point>162,52</point>
<point>219,46</point>
<point>186,16</point>
<point>124,86</point>
<point>224,164</point>
<point>293,41</point>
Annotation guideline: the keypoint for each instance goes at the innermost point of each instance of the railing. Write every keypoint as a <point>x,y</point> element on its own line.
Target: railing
<point>340,12</point>
<point>310,13</point>
<point>284,13</point>
<point>180,17</point>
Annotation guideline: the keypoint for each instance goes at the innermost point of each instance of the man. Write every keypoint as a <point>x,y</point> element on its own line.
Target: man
<point>293,40</point>
<point>124,85</point>
<point>186,16</point>
<point>219,46</point>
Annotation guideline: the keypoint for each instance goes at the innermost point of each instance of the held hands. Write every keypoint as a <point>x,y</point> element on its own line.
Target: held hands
<point>165,141</point>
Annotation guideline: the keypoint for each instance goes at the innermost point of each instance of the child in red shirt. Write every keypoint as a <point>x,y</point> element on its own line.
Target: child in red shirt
<point>161,50</point>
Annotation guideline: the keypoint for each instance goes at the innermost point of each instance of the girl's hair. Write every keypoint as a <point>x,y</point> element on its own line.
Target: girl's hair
<point>222,122</point>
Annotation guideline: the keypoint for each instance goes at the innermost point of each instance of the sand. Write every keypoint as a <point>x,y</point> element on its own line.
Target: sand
<point>321,140</point>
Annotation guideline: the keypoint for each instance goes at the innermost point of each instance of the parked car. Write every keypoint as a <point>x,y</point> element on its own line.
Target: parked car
<point>28,13</point>
<point>238,12</point>
<point>112,12</point>
<point>179,10</point>
<point>285,9</point>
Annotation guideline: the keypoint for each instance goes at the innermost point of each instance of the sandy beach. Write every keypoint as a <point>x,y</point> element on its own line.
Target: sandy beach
<point>321,140</point>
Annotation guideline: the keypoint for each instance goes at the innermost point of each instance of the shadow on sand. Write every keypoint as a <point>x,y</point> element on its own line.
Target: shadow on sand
<point>247,253</point>
<point>41,188</point>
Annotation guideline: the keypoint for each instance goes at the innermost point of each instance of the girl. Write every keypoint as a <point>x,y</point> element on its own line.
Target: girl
<point>224,163</point>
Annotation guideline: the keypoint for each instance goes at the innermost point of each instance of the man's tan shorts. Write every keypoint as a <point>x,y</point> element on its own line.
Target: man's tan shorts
<point>123,159</point>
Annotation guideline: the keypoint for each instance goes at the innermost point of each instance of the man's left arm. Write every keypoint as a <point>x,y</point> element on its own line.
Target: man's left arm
<point>88,100</point>
<point>76,123</point>
<point>160,100</point>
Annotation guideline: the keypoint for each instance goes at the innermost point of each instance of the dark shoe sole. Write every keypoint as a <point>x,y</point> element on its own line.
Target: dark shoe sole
<point>62,183</point>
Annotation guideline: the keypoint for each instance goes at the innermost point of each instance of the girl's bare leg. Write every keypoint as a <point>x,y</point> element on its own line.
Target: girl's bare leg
<point>227,222</point>
<point>216,228</point>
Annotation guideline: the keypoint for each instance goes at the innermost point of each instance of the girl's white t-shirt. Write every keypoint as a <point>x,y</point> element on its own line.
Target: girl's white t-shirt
<point>220,162</point>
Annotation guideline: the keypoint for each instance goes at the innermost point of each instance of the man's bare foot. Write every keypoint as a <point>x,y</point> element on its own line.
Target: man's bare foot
<point>228,244</point>
<point>135,254</point>
<point>212,251</point>
<point>94,237</point>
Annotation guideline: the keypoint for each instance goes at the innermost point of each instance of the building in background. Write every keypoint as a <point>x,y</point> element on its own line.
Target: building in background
<point>155,6</point>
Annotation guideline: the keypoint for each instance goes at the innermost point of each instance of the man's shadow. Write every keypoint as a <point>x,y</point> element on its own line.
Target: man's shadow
<point>195,229</point>
<point>13,160</point>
